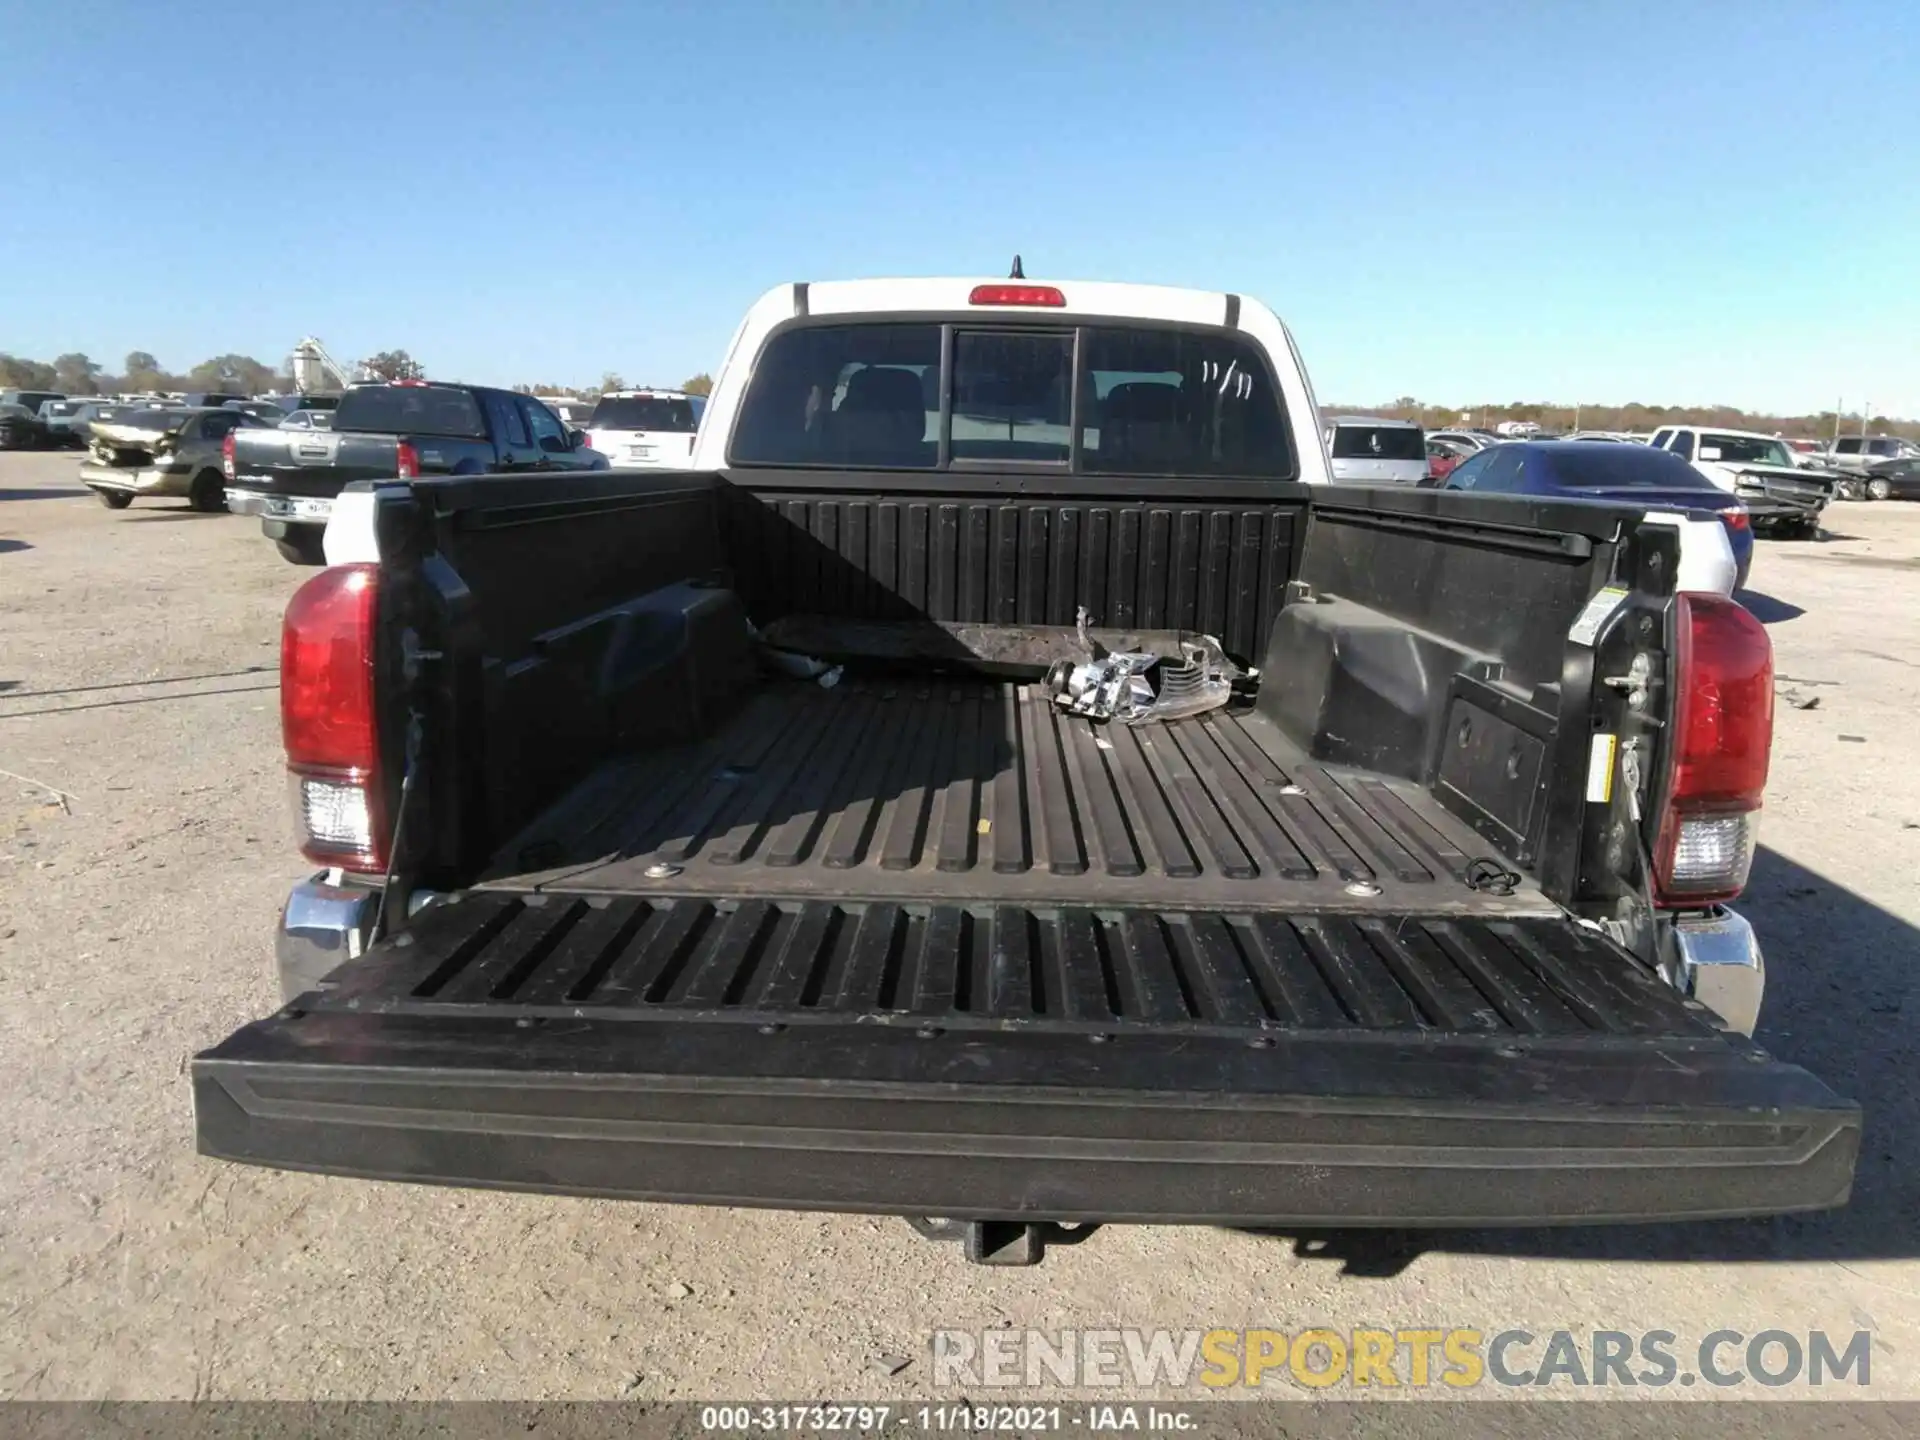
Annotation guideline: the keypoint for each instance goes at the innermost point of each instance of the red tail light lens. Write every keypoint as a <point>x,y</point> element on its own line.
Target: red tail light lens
<point>1722,738</point>
<point>226,456</point>
<point>1016,295</point>
<point>407,461</point>
<point>327,718</point>
<point>1736,519</point>
<point>586,438</point>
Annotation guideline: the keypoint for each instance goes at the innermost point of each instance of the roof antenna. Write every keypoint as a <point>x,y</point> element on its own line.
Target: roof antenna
<point>1017,273</point>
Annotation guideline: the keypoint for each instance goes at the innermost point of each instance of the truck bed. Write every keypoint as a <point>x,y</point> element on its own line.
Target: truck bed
<point>925,947</point>
<point>969,791</point>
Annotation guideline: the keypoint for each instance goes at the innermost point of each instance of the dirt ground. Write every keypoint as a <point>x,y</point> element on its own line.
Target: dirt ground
<point>137,655</point>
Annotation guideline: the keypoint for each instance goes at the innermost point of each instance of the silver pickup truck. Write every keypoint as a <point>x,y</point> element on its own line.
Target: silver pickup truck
<point>1781,495</point>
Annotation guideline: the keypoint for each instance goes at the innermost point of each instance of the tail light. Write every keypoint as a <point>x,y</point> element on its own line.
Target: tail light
<point>226,456</point>
<point>1722,733</point>
<point>586,438</point>
<point>406,460</point>
<point>1736,519</point>
<point>327,718</point>
<point>1047,295</point>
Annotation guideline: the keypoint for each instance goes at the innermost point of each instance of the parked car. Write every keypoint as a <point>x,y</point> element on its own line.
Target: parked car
<point>20,428</point>
<point>1471,439</point>
<point>646,427</point>
<point>1891,479</point>
<point>290,478</point>
<point>1367,450</point>
<point>1598,471</point>
<point>1443,456</point>
<point>308,420</point>
<point>576,413</point>
<point>289,403</point>
<point>1603,436</point>
<point>63,422</point>
<point>29,400</point>
<point>1855,453</point>
<point>161,453</point>
<point>267,410</point>
<point>1781,496</point>
<point>1402,937</point>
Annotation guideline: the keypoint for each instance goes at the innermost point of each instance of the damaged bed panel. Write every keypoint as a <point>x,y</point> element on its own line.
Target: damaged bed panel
<point>901,790</point>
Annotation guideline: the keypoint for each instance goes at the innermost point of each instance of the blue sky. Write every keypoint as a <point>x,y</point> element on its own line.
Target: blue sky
<point>1680,203</point>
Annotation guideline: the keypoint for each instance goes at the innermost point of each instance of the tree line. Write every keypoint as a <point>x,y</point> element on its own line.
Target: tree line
<point>701,384</point>
<point>1632,419</point>
<point>77,374</point>
<point>140,372</point>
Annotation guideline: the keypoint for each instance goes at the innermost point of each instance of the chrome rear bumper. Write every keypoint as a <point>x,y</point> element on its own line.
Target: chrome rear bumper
<point>322,926</point>
<point>1722,966</point>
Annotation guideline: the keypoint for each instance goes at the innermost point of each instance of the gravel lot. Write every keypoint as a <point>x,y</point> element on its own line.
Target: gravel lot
<point>137,656</point>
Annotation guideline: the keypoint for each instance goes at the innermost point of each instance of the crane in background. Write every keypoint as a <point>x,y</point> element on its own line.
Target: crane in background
<point>315,370</point>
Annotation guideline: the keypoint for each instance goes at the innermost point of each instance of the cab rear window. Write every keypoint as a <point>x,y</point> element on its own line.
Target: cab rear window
<point>1378,442</point>
<point>411,410</point>
<point>1125,400</point>
<point>644,412</point>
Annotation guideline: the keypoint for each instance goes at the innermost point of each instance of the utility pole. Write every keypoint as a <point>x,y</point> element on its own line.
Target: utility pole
<point>1838,406</point>
<point>1865,410</point>
<point>1576,415</point>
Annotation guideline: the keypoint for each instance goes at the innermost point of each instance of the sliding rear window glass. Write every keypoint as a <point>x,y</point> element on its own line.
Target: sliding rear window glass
<point>411,410</point>
<point>1013,396</point>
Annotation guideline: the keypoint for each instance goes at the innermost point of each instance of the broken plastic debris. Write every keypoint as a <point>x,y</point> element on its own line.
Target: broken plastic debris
<point>1115,685</point>
<point>800,667</point>
<point>1102,689</point>
<point>1200,683</point>
<point>831,678</point>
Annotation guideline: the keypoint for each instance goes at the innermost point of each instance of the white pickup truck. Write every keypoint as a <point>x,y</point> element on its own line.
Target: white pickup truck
<point>618,897</point>
<point>1782,496</point>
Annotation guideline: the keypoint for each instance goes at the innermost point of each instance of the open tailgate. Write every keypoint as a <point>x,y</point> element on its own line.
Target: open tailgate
<point>985,1062</point>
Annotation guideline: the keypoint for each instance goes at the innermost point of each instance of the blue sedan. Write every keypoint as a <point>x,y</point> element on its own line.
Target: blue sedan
<point>1614,474</point>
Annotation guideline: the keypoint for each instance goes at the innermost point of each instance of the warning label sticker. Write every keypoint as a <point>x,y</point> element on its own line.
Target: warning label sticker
<point>1592,620</point>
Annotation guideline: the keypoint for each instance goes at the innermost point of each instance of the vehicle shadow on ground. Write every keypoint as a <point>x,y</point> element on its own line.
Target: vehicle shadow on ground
<point>72,492</point>
<point>178,512</point>
<point>7,547</point>
<point>1843,988</point>
<point>1766,609</point>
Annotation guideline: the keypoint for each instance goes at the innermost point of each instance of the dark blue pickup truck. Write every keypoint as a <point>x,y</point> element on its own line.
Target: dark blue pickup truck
<point>399,431</point>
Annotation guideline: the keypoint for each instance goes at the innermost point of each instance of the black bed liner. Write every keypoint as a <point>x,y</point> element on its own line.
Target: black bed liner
<point>931,790</point>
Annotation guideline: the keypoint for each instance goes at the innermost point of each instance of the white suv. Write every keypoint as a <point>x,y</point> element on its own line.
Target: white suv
<point>1367,450</point>
<point>646,427</point>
